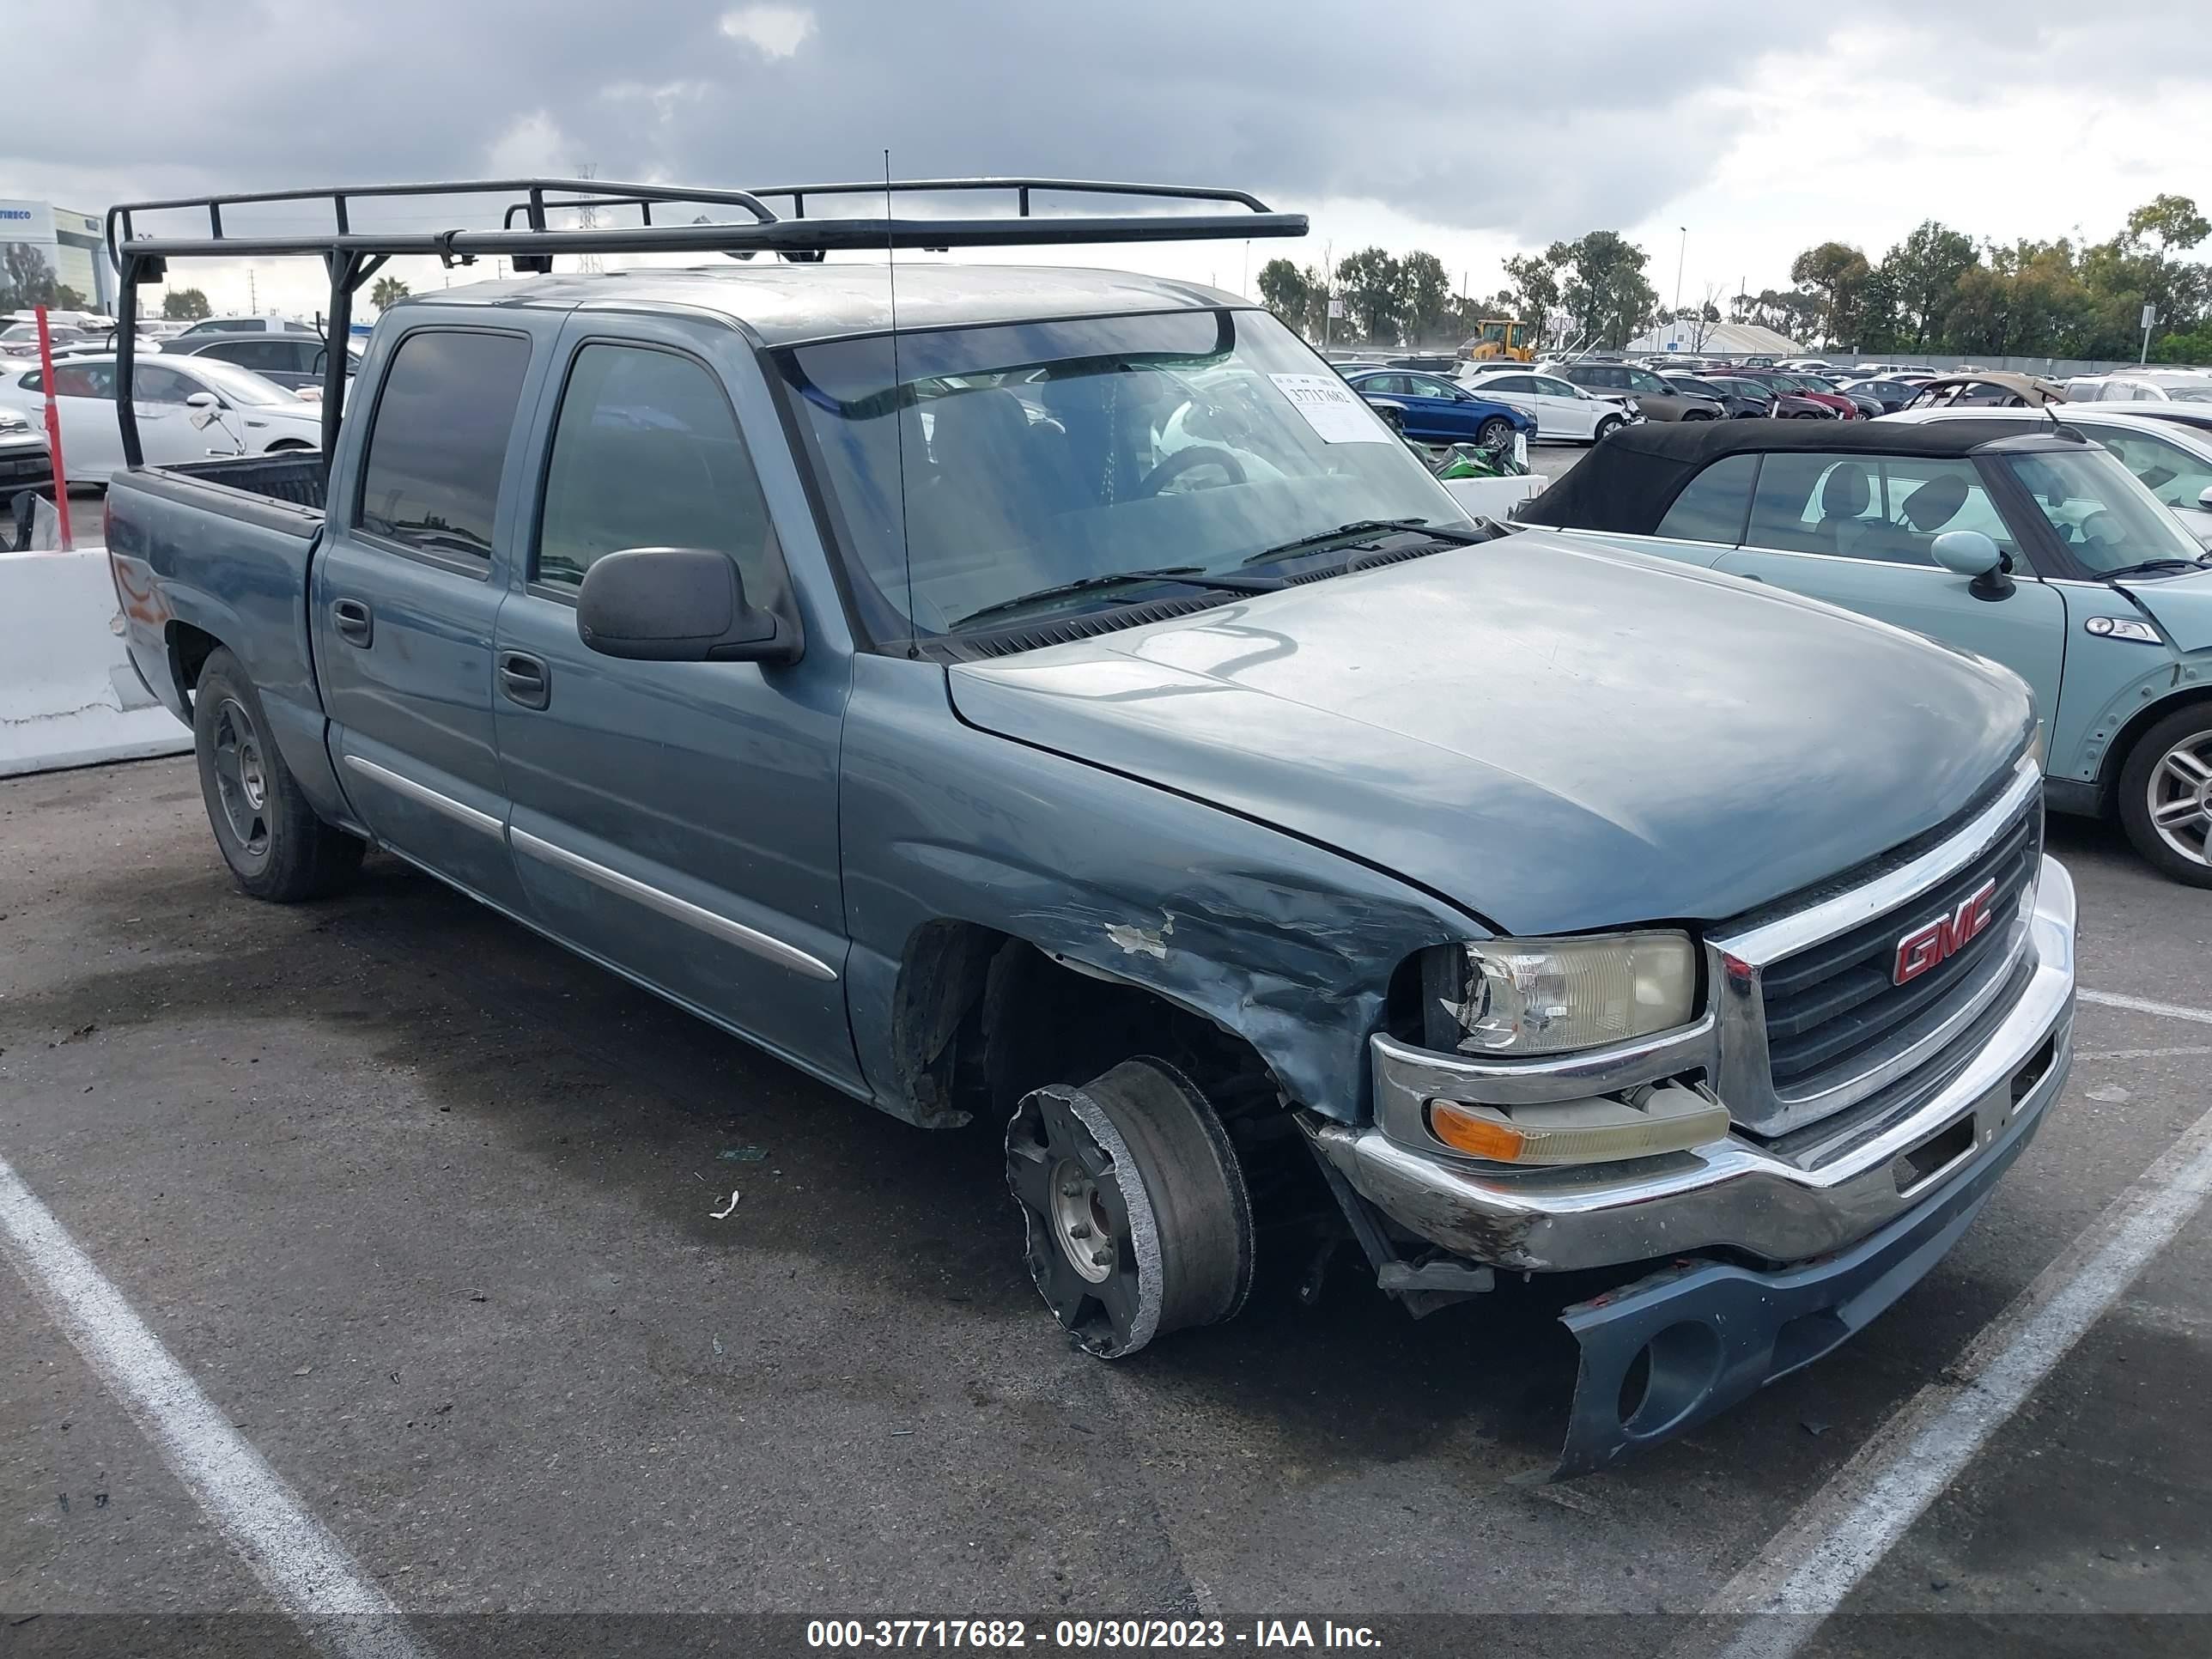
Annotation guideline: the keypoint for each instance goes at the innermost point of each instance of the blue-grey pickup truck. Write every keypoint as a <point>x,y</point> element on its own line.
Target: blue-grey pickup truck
<point>1052,696</point>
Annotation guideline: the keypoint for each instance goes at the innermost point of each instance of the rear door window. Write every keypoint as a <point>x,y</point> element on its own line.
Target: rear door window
<point>443,420</point>
<point>647,453</point>
<point>1714,505</point>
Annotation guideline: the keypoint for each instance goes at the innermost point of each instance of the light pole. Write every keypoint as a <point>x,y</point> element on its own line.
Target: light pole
<point>1681,257</point>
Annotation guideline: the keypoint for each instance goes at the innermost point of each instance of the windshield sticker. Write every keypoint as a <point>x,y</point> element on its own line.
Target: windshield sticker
<point>1337,414</point>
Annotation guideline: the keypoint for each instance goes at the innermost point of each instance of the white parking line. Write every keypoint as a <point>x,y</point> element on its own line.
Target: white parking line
<point>297,1559</point>
<point>2143,1006</point>
<point>1839,1535</point>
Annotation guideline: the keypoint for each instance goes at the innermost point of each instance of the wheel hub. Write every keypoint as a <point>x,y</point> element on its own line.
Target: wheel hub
<point>241,776</point>
<point>1079,1223</point>
<point>2180,800</point>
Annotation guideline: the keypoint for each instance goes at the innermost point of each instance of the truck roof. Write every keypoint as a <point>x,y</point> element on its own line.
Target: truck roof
<point>790,304</point>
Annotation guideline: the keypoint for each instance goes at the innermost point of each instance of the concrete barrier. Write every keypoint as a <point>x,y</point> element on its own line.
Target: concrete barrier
<point>68,694</point>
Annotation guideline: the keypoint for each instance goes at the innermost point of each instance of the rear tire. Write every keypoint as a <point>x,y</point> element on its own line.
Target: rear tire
<point>277,849</point>
<point>2165,795</point>
<point>1139,1222</point>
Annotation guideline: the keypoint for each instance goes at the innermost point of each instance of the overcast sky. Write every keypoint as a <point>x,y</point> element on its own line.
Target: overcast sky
<point>1760,125</point>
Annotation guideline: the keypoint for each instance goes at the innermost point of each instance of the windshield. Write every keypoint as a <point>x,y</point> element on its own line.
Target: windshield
<point>2190,394</point>
<point>240,386</point>
<point>1037,455</point>
<point>2100,510</point>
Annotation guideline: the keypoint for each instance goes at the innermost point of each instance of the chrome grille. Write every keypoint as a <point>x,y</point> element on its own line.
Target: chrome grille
<point>1810,1020</point>
<point>1828,1005</point>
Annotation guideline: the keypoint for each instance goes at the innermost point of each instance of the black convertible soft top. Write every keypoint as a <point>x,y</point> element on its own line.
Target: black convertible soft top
<point>1628,481</point>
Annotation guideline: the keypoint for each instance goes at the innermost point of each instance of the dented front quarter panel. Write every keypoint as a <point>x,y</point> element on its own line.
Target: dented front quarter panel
<point>1287,944</point>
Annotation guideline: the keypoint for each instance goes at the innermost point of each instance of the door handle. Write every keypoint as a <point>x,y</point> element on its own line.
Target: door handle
<point>353,622</point>
<point>524,679</point>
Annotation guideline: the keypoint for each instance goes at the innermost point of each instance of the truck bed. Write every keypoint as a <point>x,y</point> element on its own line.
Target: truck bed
<point>221,551</point>
<point>296,477</point>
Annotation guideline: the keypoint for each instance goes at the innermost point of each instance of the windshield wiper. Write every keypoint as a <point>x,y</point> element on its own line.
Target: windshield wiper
<point>1194,575</point>
<point>1366,528</point>
<point>2148,565</point>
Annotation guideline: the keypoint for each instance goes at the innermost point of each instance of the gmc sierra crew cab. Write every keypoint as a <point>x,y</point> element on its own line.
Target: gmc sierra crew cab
<point>1052,696</point>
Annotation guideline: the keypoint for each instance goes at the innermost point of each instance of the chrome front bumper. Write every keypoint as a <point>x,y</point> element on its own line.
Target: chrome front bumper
<point>1733,1194</point>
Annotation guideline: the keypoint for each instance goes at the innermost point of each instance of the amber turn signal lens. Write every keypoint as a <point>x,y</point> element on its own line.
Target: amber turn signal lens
<point>1477,1137</point>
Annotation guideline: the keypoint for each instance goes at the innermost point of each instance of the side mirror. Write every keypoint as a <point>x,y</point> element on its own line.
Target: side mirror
<point>202,400</point>
<point>1966,552</point>
<point>2204,501</point>
<point>1971,553</point>
<point>206,407</point>
<point>677,604</point>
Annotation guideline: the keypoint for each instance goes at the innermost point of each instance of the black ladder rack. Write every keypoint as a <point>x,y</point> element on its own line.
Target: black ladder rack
<point>350,257</point>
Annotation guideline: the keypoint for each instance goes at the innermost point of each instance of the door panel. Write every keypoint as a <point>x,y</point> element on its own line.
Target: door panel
<point>407,592</point>
<point>677,820</point>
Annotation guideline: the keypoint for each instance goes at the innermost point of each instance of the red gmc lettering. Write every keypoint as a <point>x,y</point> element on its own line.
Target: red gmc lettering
<point>1945,937</point>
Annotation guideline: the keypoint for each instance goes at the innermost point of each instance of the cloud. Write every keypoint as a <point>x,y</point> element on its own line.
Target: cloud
<point>776,31</point>
<point>1650,115</point>
<point>533,148</point>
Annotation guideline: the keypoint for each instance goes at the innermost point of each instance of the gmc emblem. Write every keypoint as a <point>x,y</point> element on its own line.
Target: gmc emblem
<point>1943,939</point>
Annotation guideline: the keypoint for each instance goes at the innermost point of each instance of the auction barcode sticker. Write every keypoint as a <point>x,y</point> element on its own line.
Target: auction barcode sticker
<point>1337,414</point>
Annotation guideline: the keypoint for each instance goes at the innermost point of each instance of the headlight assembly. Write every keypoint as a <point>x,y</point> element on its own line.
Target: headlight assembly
<point>1510,997</point>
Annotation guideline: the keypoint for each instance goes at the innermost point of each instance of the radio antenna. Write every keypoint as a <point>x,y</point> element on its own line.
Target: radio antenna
<point>898,405</point>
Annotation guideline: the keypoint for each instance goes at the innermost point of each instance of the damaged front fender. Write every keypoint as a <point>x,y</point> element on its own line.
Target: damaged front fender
<point>1289,945</point>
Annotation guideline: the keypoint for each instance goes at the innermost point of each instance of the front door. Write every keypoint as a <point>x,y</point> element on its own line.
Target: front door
<point>677,821</point>
<point>406,591</point>
<point>1856,530</point>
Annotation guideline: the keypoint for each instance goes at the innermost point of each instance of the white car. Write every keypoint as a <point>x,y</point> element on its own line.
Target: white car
<point>1559,408</point>
<point>2141,386</point>
<point>188,410</point>
<point>2174,461</point>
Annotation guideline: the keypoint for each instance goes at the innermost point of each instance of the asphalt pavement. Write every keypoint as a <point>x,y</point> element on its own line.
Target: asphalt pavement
<point>562,1322</point>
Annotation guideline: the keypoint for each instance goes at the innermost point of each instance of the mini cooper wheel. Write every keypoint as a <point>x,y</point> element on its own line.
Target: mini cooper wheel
<point>2165,795</point>
<point>1138,1219</point>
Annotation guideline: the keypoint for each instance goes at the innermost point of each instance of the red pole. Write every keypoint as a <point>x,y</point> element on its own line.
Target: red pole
<point>54,429</point>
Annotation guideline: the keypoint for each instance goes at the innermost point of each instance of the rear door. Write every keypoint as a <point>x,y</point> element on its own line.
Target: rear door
<point>406,589</point>
<point>677,821</point>
<point>1856,530</point>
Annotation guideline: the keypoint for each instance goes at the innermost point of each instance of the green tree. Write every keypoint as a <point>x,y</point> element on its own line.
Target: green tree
<point>1371,279</point>
<point>1923,271</point>
<point>1534,296</point>
<point>2172,221</point>
<point>26,278</point>
<point>1605,291</point>
<point>1285,290</point>
<point>1833,274</point>
<point>184,305</point>
<point>1425,298</point>
<point>389,291</point>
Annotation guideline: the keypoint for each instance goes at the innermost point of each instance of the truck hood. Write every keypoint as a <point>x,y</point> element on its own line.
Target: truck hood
<point>1553,733</point>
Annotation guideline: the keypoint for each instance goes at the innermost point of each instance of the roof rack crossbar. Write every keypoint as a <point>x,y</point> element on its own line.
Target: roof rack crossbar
<point>350,256</point>
<point>766,230</point>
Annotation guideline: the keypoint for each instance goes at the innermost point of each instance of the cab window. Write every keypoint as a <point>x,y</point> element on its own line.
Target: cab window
<point>647,453</point>
<point>443,419</point>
